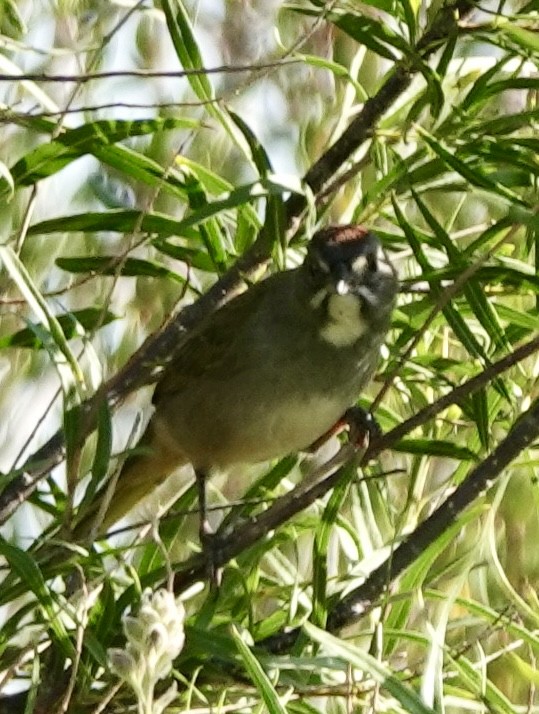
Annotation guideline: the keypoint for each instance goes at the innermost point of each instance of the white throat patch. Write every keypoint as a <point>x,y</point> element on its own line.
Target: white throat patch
<point>345,324</point>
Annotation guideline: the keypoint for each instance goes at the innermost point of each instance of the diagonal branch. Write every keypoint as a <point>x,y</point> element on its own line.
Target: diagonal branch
<point>362,599</point>
<point>523,433</point>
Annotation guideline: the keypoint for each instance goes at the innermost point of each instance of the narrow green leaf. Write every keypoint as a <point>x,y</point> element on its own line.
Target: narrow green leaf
<point>102,620</point>
<point>194,258</point>
<point>125,160</point>
<point>124,221</point>
<point>321,545</point>
<point>65,361</point>
<point>435,447</point>
<point>479,403</point>
<point>382,675</point>
<point>453,316</point>
<point>472,174</point>
<point>74,441</point>
<point>211,231</point>
<point>30,704</point>
<point>482,90</point>
<point>526,39</point>
<point>103,448</point>
<point>141,168</point>
<point>482,87</point>
<point>528,320</point>
<point>118,221</point>
<point>371,33</point>
<point>504,124</point>
<point>335,68</point>
<point>434,92</point>
<point>260,157</point>
<point>183,39</point>
<point>215,185</point>
<point>237,198</point>
<point>274,223</point>
<point>70,324</point>
<point>483,687</point>
<point>474,293</point>
<point>409,11</point>
<point>13,19</point>
<point>30,575</point>
<point>111,265</point>
<point>188,52</point>
<point>212,182</point>
<point>7,183</point>
<point>259,677</point>
<point>89,138</point>
<point>486,275</point>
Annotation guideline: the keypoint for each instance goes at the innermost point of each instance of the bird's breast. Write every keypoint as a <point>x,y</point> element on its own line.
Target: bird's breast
<point>301,421</point>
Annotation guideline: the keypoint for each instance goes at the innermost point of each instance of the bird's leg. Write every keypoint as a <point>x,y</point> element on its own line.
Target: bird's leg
<point>339,426</point>
<point>205,533</point>
<point>204,528</point>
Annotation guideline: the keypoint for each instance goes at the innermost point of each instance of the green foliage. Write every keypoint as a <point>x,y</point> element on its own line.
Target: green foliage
<point>204,162</point>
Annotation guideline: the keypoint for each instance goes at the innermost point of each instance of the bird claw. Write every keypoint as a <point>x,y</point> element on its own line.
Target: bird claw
<point>363,427</point>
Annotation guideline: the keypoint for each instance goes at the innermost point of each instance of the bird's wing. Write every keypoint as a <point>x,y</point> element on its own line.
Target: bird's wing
<point>212,346</point>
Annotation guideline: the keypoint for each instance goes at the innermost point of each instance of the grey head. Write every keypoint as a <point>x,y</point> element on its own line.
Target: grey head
<point>353,283</point>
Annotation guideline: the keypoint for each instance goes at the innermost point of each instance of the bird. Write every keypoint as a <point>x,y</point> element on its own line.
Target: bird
<point>269,372</point>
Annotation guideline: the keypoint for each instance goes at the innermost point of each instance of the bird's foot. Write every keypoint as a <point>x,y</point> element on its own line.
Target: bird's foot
<point>362,427</point>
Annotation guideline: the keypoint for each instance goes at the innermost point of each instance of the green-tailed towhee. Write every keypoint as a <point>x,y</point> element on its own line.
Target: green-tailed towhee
<point>272,370</point>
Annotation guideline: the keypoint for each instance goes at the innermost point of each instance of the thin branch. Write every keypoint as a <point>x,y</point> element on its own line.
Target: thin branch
<point>10,116</point>
<point>143,73</point>
<point>455,396</point>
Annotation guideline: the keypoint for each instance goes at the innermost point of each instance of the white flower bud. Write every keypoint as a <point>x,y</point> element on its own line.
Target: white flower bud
<point>155,637</point>
<point>122,663</point>
<point>133,630</point>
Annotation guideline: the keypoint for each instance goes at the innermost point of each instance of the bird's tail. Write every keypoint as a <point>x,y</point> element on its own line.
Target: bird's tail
<point>141,474</point>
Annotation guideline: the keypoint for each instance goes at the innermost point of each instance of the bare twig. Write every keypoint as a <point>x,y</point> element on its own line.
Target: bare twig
<point>143,73</point>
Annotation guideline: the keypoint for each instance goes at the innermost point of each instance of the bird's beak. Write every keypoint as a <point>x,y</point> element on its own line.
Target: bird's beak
<point>343,279</point>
